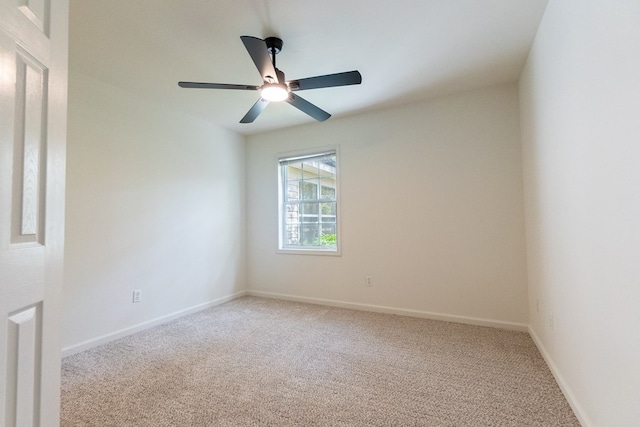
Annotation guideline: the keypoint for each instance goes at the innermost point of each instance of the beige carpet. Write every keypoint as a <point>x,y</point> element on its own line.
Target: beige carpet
<point>262,362</point>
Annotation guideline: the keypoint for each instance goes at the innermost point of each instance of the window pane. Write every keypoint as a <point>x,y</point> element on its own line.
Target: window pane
<point>294,170</point>
<point>310,233</point>
<point>327,192</point>
<point>293,190</point>
<point>292,213</point>
<point>310,169</point>
<point>310,212</point>
<point>309,190</point>
<point>329,229</point>
<point>328,235</point>
<point>328,210</point>
<point>292,235</point>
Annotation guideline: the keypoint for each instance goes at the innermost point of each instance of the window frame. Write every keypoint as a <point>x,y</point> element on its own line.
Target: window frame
<point>307,250</point>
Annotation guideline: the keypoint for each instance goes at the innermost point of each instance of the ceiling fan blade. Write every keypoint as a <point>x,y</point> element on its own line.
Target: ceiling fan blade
<point>329,80</point>
<point>255,111</point>
<point>257,49</point>
<point>198,85</point>
<point>307,107</point>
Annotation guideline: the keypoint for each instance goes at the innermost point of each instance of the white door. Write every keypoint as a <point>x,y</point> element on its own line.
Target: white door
<point>33,104</point>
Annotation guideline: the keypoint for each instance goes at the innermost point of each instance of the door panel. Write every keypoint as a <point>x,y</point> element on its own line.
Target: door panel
<point>37,12</point>
<point>29,179</point>
<point>23,362</point>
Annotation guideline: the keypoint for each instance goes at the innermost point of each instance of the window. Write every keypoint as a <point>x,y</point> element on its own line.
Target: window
<point>308,202</point>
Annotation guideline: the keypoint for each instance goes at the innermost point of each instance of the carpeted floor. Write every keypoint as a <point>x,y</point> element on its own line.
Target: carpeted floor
<point>263,362</point>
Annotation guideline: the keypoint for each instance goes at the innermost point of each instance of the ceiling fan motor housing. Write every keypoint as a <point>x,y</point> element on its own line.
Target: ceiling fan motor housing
<point>274,45</point>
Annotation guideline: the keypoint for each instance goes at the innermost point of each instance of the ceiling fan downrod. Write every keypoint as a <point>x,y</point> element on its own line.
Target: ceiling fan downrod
<point>274,46</point>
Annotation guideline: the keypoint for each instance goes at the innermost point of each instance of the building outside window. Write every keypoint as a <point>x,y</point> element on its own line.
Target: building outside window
<point>308,202</point>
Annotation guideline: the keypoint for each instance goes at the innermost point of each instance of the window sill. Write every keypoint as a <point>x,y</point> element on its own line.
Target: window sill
<point>288,251</point>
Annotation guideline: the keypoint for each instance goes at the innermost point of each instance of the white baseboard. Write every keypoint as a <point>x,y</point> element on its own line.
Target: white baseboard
<point>521,327</point>
<point>94,342</point>
<point>566,390</point>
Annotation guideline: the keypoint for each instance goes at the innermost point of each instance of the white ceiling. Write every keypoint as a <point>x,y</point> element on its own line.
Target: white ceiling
<point>406,50</point>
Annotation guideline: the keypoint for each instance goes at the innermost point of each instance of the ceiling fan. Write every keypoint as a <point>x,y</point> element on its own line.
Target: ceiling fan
<point>274,86</point>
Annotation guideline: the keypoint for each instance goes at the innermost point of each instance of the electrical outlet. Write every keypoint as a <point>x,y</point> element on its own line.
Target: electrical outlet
<point>368,281</point>
<point>137,295</point>
<point>550,321</point>
<point>537,305</point>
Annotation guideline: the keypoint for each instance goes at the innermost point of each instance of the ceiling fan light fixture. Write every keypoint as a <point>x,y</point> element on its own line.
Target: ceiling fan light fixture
<point>274,92</point>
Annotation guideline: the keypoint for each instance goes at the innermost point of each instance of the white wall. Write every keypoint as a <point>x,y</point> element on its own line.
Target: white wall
<point>155,201</point>
<point>580,95</point>
<point>431,207</point>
